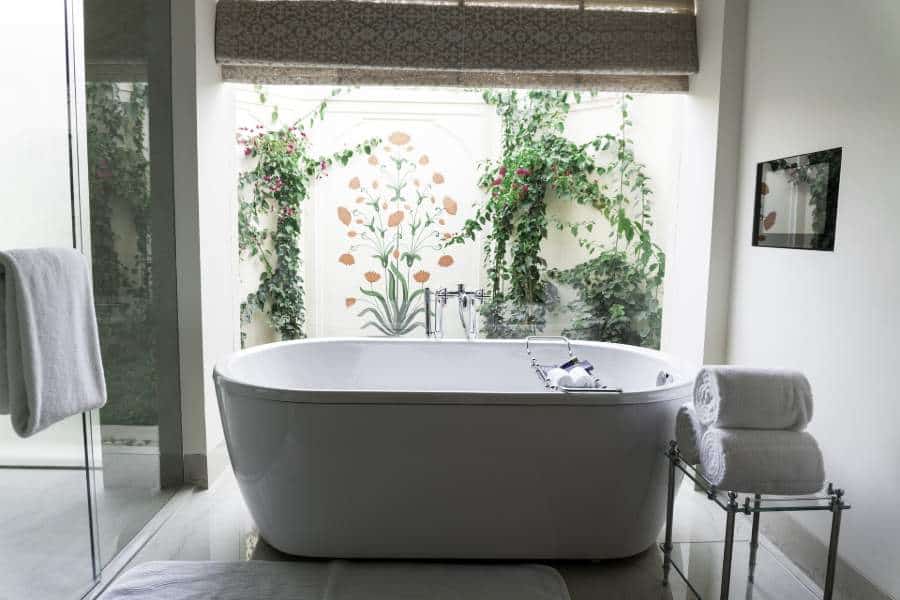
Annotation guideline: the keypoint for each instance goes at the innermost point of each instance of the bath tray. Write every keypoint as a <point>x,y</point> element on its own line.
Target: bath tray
<point>542,369</point>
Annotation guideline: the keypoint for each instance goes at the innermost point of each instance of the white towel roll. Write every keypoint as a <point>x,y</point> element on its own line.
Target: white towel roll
<point>763,461</point>
<point>560,377</point>
<point>749,398</point>
<point>688,433</point>
<point>581,378</point>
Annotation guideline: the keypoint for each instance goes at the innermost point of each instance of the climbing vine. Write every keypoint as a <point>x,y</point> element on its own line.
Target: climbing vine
<point>277,184</point>
<point>538,160</point>
<point>119,186</point>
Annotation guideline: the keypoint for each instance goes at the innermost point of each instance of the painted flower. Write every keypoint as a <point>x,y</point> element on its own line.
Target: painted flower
<point>416,182</point>
<point>373,160</point>
<point>396,253</point>
<point>497,181</point>
<point>371,276</point>
<point>522,172</point>
<point>502,171</point>
<point>346,259</point>
<point>360,199</point>
<point>349,302</point>
<point>354,183</point>
<point>769,221</point>
<point>396,218</point>
<point>763,188</point>
<point>351,234</point>
<point>450,205</point>
<point>398,138</point>
<point>437,178</point>
<point>442,222</point>
<point>289,149</point>
<point>375,184</point>
<point>445,261</point>
<point>423,160</point>
<point>359,221</point>
<point>247,151</point>
<point>344,215</point>
<point>421,276</point>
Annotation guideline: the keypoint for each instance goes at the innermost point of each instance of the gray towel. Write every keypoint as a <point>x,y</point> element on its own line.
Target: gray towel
<point>337,580</point>
<point>50,365</point>
<point>749,398</point>
<point>763,461</point>
<point>688,433</point>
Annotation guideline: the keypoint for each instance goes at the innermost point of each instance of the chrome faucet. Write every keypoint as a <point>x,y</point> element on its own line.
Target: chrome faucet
<point>467,301</point>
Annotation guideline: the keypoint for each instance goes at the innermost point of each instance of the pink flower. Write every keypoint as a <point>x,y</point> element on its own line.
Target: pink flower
<point>524,190</point>
<point>522,172</point>
<point>290,148</point>
<point>247,151</point>
<point>502,171</point>
<point>497,181</point>
<point>323,165</point>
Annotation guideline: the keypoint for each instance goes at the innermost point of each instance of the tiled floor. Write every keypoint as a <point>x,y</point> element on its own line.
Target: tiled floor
<point>215,525</point>
<point>44,517</point>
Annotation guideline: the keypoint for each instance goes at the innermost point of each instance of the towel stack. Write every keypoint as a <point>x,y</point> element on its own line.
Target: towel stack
<point>746,429</point>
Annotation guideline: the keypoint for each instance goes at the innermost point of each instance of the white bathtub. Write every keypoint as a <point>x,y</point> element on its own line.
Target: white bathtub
<point>375,448</point>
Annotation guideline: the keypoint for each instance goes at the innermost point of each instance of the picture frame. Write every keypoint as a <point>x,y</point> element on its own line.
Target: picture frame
<point>796,201</point>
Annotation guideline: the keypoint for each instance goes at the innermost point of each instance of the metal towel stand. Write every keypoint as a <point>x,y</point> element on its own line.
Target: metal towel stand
<point>832,502</point>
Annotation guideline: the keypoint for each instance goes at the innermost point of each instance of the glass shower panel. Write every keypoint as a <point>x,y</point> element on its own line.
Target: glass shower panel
<point>127,212</point>
<point>45,508</point>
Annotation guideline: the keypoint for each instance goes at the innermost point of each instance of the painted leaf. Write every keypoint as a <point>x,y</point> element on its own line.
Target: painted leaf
<point>769,221</point>
<point>344,215</point>
<point>450,205</point>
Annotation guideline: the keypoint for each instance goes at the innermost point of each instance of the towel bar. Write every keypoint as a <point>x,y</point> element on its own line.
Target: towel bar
<point>832,501</point>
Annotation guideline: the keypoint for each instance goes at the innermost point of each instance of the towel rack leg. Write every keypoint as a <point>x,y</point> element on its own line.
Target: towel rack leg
<point>729,545</point>
<point>670,509</point>
<point>754,536</point>
<point>837,506</point>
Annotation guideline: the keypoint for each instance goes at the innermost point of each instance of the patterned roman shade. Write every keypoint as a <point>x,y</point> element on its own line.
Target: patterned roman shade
<point>636,45</point>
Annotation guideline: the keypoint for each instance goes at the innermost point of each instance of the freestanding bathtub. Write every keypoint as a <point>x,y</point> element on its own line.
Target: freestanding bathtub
<point>378,448</point>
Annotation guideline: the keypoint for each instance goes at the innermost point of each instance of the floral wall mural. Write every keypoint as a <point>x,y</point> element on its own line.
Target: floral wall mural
<point>396,219</point>
<point>378,228</point>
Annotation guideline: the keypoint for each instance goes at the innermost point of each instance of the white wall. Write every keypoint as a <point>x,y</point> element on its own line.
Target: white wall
<point>695,307</point>
<point>205,230</point>
<point>821,74</point>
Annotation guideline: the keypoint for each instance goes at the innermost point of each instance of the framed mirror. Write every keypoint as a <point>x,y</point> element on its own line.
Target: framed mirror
<point>796,201</point>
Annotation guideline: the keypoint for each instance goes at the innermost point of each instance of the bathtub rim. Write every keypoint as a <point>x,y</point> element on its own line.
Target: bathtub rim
<point>222,376</point>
